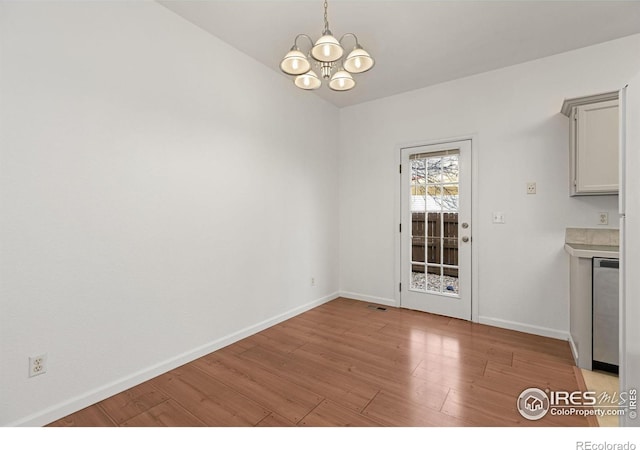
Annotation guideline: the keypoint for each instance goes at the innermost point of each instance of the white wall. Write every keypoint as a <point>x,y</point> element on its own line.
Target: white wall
<point>520,136</point>
<point>160,195</point>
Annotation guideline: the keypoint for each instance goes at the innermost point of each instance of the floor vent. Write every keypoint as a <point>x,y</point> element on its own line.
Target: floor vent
<point>379,308</point>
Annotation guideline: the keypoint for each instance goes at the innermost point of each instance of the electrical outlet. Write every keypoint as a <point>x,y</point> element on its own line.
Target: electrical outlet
<point>603,218</point>
<point>313,281</point>
<point>37,365</point>
<point>531,188</point>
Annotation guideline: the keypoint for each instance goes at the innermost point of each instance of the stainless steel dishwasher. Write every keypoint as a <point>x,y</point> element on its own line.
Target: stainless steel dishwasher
<point>605,314</point>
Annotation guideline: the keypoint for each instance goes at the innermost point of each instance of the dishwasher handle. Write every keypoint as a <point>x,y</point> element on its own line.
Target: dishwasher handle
<point>608,263</point>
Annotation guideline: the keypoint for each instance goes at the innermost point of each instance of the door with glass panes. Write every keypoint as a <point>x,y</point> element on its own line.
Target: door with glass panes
<point>436,229</point>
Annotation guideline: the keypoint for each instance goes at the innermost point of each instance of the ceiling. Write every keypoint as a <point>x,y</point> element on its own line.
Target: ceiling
<point>415,43</point>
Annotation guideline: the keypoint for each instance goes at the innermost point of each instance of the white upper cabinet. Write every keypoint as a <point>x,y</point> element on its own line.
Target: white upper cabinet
<point>593,144</point>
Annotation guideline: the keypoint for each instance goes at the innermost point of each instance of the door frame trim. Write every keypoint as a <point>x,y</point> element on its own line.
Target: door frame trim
<point>475,254</point>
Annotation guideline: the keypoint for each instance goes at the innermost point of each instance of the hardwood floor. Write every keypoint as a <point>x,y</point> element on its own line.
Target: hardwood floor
<point>347,364</point>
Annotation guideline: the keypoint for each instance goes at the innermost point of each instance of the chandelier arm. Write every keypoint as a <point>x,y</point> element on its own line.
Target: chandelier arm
<point>349,34</point>
<point>295,41</point>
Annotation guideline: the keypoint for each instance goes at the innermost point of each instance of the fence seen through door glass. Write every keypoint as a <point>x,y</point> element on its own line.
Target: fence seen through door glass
<point>434,222</point>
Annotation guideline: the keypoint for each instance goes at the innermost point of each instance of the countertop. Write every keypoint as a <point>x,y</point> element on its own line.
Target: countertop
<point>592,251</point>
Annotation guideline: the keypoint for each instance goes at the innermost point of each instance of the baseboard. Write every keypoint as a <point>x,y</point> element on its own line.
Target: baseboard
<point>525,328</point>
<point>574,350</point>
<point>89,398</point>
<point>368,298</point>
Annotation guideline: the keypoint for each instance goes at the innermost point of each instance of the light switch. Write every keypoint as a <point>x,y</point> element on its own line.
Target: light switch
<point>498,217</point>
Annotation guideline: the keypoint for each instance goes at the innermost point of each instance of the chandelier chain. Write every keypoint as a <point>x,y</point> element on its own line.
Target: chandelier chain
<point>326,20</point>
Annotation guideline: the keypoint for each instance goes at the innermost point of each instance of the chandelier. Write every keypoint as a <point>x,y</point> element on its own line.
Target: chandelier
<point>327,55</point>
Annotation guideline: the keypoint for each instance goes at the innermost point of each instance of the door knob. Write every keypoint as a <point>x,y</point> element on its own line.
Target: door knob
<point>465,238</point>
<point>465,225</point>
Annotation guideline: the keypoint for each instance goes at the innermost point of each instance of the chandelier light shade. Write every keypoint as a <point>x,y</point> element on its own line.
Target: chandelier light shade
<point>328,55</point>
<point>358,61</point>
<point>295,63</point>
<point>327,49</point>
<point>342,81</point>
<point>308,81</point>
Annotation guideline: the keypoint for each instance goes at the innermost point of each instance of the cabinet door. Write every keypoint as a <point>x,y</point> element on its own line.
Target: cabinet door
<point>597,148</point>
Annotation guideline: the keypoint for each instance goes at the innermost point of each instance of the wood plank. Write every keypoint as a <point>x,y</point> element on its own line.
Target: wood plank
<point>392,410</point>
<point>240,346</point>
<point>93,416</point>
<point>464,327</point>
<point>324,380</point>
<point>366,353</point>
<point>166,414</point>
<point>354,315</point>
<point>484,407</point>
<point>380,371</point>
<point>211,401</point>
<point>274,420</point>
<point>134,401</point>
<point>494,346</point>
<point>401,383</point>
<point>434,340</point>
<point>275,393</point>
<point>424,393</point>
<point>330,414</point>
<point>450,371</point>
<point>530,342</point>
<point>278,339</point>
<point>332,323</point>
<point>513,380</point>
<point>541,359</point>
<point>448,343</point>
<point>369,368</point>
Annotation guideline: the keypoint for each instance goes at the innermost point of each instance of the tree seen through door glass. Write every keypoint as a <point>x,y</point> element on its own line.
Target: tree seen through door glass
<point>434,222</point>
